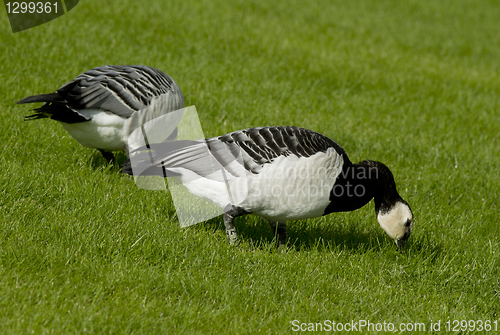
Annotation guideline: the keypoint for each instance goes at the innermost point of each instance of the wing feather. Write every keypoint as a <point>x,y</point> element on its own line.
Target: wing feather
<point>120,90</point>
<point>250,148</point>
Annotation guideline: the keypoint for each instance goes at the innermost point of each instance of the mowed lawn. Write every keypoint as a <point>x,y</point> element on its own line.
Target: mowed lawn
<point>414,84</point>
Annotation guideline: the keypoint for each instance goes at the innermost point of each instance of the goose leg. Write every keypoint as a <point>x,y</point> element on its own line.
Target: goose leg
<point>279,229</point>
<point>108,156</point>
<point>229,216</point>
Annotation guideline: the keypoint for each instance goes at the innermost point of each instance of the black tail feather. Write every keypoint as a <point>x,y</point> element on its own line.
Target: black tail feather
<point>58,111</point>
<point>50,97</point>
<point>35,117</point>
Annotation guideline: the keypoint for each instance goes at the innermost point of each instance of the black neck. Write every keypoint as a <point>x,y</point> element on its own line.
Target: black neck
<point>359,183</point>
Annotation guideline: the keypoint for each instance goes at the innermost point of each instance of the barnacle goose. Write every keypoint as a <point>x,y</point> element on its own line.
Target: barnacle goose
<point>101,107</point>
<point>291,173</point>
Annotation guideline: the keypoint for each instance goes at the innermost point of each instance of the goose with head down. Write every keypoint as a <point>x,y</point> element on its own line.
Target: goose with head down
<point>290,173</point>
<point>101,107</point>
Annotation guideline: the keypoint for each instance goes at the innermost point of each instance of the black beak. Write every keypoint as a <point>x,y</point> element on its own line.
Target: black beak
<point>400,243</point>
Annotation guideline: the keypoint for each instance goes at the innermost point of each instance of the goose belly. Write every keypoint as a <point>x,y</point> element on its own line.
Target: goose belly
<point>293,188</point>
<point>103,131</point>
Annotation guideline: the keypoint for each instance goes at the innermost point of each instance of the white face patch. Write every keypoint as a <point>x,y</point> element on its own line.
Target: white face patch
<point>394,221</point>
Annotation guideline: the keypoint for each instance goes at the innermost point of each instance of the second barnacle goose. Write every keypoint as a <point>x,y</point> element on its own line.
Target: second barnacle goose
<point>101,107</point>
<point>290,173</point>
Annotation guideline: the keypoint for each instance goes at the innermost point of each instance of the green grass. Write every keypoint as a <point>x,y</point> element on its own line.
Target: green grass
<point>413,84</point>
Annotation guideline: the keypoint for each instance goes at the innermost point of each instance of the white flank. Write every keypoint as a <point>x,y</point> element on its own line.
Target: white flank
<point>293,188</point>
<point>104,130</point>
<point>219,186</point>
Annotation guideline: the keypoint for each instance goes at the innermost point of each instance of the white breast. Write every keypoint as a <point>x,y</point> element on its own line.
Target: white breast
<point>293,188</point>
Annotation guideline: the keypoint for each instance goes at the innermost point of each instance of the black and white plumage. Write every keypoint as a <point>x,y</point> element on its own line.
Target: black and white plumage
<point>101,107</point>
<point>290,173</point>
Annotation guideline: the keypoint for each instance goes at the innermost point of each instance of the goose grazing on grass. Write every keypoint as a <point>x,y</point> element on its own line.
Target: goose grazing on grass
<point>101,107</point>
<point>289,173</point>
